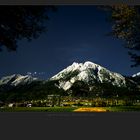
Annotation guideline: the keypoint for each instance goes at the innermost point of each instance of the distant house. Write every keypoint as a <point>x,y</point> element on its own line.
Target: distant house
<point>11,105</point>
<point>29,105</point>
<point>53,100</point>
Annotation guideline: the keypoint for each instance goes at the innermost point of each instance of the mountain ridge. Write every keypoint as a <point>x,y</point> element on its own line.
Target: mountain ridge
<point>16,80</point>
<point>78,79</point>
<point>88,72</point>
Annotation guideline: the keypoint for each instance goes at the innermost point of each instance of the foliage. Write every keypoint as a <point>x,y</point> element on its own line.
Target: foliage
<point>126,26</point>
<point>21,22</point>
<point>35,90</point>
<point>39,90</point>
<point>104,90</point>
<point>80,88</point>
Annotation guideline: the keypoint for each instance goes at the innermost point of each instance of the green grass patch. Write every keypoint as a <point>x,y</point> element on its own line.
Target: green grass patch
<point>66,109</point>
<point>123,108</point>
<point>37,109</point>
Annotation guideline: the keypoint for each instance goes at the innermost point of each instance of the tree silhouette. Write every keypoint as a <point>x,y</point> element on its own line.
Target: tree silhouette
<point>21,22</point>
<point>126,26</point>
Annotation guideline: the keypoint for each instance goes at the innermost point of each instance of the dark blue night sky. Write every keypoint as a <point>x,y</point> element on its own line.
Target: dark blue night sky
<point>75,34</point>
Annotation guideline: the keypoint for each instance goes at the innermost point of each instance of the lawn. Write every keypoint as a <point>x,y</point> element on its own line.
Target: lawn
<point>71,109</point>
<point>108,109</point>
<point>37,109</point>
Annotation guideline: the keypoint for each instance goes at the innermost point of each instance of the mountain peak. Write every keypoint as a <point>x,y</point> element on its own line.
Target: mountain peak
<point>88,63</point>
<point>87,72</point>
<point>83,66</point>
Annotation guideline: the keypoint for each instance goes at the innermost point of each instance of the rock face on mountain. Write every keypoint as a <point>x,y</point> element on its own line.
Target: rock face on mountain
<point>89,73</point>
<point>16,80</point>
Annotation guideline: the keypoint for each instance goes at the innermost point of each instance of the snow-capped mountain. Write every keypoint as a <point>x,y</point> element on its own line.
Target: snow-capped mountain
<point>136,75</point>
<point>78,79</point>
<point>89,73</point>
<point>16,79</point>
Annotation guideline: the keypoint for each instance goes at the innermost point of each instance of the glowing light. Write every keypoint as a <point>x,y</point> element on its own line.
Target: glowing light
<point>90,109</point>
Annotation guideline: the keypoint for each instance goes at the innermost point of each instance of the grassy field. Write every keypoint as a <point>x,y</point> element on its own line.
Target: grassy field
<point>37,109</point>
<point>71,109</point>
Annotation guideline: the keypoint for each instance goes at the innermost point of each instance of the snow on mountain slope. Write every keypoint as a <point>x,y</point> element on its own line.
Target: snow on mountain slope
<point>16,79</point>
<point>88,72</point>
<point>136,78</point>
<point>136,75</point>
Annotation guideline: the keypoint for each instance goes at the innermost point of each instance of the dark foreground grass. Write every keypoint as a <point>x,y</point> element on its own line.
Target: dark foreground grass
<point>67,109</point>
<point>37,109</point>
<point>123,108</point>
